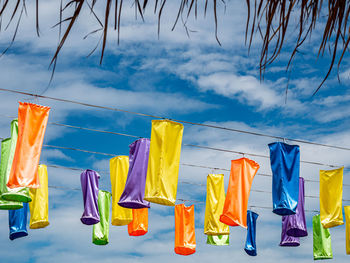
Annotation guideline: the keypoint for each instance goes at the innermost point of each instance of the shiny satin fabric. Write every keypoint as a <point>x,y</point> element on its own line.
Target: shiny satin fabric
<point>185,239</point>
<point>139,223</point>
<point>18,222</point>
<point>132,196</point>
<point>285,166</point>
<point>4,204</point>
<point>331,193</point>
<point>286,240</point>
<point>163,163</point>
<point>20,194</point>
<point>347,228</point>
<point>296,224</point>
<point>322,244</point>
<point>89,186</point>
<point>39,206</point>
<point>250,244</point>
<point>100,231</point>
<point>214,205</point>
<point>218,240</point>
<point>32,122</point>
<point>119,167</point>
<point>242,174</point>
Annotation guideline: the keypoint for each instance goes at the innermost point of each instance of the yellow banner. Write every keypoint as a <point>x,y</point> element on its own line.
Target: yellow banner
<point>163,163</point>
<point>119,167</point>
<point>331,193</point>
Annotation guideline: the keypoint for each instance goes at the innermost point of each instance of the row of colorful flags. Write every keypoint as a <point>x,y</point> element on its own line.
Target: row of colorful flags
<point>150,175</point>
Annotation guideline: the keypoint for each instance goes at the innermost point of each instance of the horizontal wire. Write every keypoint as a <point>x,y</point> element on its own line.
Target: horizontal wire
<point>182,121</point>
<point>182,182</point>
<point>183,164</point>
<point>187,145</point>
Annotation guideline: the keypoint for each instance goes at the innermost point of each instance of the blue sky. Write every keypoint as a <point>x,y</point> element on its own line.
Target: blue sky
<point>185,78</point>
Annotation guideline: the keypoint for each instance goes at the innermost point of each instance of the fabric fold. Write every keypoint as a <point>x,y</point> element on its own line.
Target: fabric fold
<point>285,166</point>
<point>296,224</point>
<point>250,244</point>
<point>132,196</point>
<point>331,194</point>
<point>100,231</point>
<point>89,186</point>
<point>242,174</point>
<point>214,205</point>
<point>18,222</point>
<point>163,163</point>
<point>139,223</point>
<point>119,167</point>
<point>39,206</point>
<point>32,122</point>
<point>185,239</point>
<point>322,244</point>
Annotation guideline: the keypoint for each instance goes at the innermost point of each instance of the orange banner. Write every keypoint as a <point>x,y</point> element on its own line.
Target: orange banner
<point>139,223</point>
<point>241,177</point>
<point>32,122</point>
<point>185,239</point>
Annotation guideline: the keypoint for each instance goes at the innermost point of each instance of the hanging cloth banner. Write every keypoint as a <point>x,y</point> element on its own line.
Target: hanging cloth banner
<point>164,162</point>
<point>214,205</point>
<point>241,177</point>
<point>119,167</point>
<point>285,166</point>
<point>100,231</point>
<point>18,222</point>
<point>322,243</point>
<point>32,122</point>
<point>286,240</point>
<point>250,244</point>
<point>20,194</point>
<point>185,239</point>
<point>218,240</point>
<point>39,206</point>
<point>89,186</point>
<point>4,204</point>
<point>139,223</point>
<point>331,193</point>
<point>347,228</point>
<point>132,196</point>
<point>296,224</point>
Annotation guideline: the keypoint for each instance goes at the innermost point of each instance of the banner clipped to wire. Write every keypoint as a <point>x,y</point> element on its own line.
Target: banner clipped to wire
<point>89,186</point>
<point>322,244</point>
<point>139,223</point>
<point>287,240</point>
<point>100,231</point>
<point>214,205</point>
<point>331,194</point>
<point>164,162</point>
<point>5,204</point>
<point>185,238</point>
<point>8,147</point>
<point>296,224</point>
<point>134,190</point>
<point>32,122</point>
<point>241,177</point>
<point>250,244</point>
<point>285,166</point>
<point>119,167</point>
<point>39,206</point>
<point>18,222</point>
<point>347,228</point>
